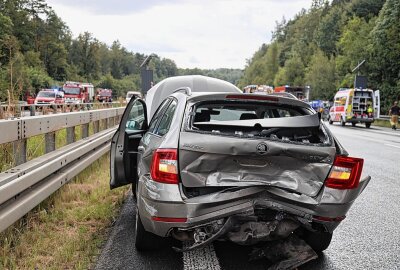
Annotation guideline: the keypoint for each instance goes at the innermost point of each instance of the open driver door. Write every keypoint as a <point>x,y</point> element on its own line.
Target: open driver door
<point>125,142</point>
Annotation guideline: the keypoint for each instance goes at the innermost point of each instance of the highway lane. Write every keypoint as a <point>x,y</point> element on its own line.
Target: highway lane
<point>367,239</point>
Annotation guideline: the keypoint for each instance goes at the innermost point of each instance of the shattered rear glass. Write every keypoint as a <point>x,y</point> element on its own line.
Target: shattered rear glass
<point>270,121</point>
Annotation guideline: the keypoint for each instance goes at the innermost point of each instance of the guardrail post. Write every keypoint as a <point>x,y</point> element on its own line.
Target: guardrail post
<point>17,110</point>
<point>50,141</point>
<point>32,110</point>
<point>85,130</point>
<point>19,150</point>
<point>70,135</point>
<point>1,112</point>
<point>96,126</point>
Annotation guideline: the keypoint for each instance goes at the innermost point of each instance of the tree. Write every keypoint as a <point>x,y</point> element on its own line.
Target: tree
<point>328,32</point>
<point>116,60</point>
<point>366,8</point>
<point>294,71</point>
<point>353,48</point>
<point>271,61</point>
<point>320,76</point>
<point>385,50</point>
<point>6,26</point>
<point>386,42</point>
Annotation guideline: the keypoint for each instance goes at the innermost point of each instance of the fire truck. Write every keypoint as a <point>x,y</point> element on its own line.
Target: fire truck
<point>302,93</point>
<point>78,92</point>
<point>103,95</point>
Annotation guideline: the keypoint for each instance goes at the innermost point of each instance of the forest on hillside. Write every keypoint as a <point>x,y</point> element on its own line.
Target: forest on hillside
<point>320,46</point>
<point>37,50</point>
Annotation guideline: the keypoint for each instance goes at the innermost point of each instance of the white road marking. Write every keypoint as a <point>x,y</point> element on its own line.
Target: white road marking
<point>201,259</point>
<point>397,146</point>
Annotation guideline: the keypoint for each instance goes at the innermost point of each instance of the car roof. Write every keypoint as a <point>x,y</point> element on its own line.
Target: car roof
<point>196,83</point>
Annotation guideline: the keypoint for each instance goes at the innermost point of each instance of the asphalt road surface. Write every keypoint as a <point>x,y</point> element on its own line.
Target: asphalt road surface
<point>368,238</point>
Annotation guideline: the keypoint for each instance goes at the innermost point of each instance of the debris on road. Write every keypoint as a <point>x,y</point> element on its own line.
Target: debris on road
<point>285,254</point>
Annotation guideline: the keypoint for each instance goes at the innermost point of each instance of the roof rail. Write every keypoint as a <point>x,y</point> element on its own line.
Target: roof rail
<point>188,90</point>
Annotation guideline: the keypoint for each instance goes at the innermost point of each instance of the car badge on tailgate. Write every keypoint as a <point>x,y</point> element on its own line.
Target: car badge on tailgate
<point>262,148</point>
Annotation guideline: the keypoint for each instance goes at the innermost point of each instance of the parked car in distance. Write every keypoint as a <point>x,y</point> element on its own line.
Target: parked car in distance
<point>49,96</point>
<point>208,162</point>
<point>132,94</point>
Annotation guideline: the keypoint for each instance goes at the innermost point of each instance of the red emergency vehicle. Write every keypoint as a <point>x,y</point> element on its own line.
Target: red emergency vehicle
<point>302,93</point>
<point>78,92</point>
<point>49,96</point>
<point>103,95</point>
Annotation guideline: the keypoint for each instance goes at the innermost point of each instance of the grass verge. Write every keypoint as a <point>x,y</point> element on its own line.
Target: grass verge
<point>381,123</point>
<point>67,230</point>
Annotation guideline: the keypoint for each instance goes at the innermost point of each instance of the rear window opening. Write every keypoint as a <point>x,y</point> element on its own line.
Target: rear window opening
<point>278,122</point>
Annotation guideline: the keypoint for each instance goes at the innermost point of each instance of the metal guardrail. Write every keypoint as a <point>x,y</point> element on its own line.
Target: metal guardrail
<point>19,129</point>
<point>26,185</point>
<point>22,110</point>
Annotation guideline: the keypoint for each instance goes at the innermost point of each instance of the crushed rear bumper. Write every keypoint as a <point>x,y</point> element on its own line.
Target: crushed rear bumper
<point>165,200</point>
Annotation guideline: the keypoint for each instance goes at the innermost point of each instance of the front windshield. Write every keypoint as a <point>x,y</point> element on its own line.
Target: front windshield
<point>47,94</point>
<point>71,90</point>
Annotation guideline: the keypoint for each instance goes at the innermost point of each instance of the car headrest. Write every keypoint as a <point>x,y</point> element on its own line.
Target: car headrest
<point>202,117</point>
<point>247,116</point>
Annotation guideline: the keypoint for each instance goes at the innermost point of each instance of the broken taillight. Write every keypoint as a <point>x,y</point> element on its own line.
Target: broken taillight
<point>345,173</point>
<point>164,166</point>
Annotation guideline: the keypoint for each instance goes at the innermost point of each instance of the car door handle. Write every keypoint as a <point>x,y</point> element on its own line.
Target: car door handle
<point>140,149</point>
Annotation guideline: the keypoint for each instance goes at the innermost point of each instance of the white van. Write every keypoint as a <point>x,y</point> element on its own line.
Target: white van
<point>351,106</point>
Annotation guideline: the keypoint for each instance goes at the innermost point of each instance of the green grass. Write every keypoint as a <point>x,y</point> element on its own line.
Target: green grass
<point>381,123</point>
<point>61,138</point>
<point>6,156</point>
<point>67,230</point>
<point>35,147</point>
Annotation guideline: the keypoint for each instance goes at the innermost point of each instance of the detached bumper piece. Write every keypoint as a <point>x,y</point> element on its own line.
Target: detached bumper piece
<point>285,254</point>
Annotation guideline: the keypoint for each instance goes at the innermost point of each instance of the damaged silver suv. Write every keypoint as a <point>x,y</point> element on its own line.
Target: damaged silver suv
<point>208,162</point>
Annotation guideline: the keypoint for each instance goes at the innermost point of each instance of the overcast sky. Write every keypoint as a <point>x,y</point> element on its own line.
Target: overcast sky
<point>193,33</point>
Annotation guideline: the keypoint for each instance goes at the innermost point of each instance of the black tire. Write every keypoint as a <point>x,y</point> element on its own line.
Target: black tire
<point>318,241</point>
<point>342,123</point>
<point>367,125</point>
<point>330,121</point>
<point>353,124</point>
<point>145,241</point>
